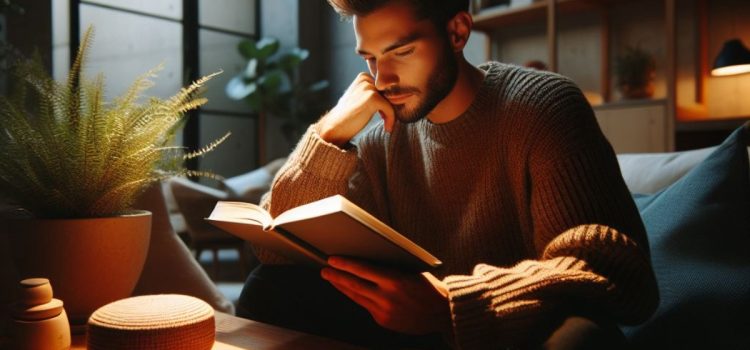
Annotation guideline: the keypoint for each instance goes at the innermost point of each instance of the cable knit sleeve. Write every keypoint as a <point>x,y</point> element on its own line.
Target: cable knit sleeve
<point>507,306</point>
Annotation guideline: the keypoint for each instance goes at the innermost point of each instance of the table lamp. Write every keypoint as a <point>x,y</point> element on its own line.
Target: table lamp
<point>734,58</point>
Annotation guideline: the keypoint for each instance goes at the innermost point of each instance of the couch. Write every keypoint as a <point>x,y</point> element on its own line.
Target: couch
<point>696,209</point>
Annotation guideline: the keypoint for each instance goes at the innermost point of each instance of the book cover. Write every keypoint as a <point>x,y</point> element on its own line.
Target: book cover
<point>310,233</point>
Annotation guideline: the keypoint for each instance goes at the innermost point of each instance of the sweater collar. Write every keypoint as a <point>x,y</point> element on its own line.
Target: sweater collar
<point>454,130</point>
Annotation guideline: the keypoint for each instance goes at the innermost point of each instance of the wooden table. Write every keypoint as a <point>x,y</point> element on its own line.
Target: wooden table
<point>233,333</point>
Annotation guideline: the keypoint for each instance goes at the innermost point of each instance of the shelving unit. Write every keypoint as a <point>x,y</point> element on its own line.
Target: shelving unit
<point>631,126</point>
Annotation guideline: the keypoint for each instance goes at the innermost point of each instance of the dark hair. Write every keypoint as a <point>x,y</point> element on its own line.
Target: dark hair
<point>437,11</point>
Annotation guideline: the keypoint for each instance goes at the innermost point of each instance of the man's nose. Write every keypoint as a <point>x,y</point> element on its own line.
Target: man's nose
<point>385,77</point>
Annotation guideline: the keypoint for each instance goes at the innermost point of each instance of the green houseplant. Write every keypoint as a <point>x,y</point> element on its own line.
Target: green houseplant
<point>270,84</point>
<point>635,70</point>
<point>75,164</point>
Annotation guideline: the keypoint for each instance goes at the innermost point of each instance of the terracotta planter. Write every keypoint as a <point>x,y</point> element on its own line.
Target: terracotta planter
<point>89,262</point>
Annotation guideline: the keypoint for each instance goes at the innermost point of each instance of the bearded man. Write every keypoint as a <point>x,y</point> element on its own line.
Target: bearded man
<point>500,171</point>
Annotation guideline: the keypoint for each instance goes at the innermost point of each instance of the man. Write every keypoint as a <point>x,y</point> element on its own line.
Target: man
<point>500,171</point>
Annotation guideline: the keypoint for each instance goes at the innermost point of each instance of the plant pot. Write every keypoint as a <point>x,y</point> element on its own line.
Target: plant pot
<point>89,262</point>
<point>637,91</point>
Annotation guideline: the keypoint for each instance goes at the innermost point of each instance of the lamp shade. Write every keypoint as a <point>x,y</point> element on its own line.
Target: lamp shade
<point>734,58</point>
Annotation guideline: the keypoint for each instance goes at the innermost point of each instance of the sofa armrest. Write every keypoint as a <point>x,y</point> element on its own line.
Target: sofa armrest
<point>650,172</point>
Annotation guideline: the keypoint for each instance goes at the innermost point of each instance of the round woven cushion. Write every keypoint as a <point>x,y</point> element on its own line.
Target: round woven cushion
<point>162,322</point>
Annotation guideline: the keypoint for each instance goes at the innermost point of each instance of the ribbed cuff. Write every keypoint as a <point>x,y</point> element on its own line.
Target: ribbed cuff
<point>504,306</point>
<point>324,159</point>
<point>471,313</point>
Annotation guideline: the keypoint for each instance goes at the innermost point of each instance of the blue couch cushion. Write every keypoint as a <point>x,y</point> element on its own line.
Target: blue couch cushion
<point>699,233</point>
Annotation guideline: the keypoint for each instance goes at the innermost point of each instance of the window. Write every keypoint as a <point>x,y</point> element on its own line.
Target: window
<point>191,38</point>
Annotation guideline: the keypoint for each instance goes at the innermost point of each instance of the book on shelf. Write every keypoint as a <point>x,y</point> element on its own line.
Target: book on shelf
<point>310,233</point>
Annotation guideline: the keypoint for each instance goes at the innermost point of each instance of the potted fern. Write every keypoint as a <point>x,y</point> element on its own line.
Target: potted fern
<point>75,165</point>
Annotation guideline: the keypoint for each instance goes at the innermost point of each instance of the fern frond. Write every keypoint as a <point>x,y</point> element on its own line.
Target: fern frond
<point>141,84</point>
<point>187,93</point>
<point>208,148</point>
<point>76,68</point>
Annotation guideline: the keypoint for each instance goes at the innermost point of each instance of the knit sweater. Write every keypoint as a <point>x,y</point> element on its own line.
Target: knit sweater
<point>521,197</point>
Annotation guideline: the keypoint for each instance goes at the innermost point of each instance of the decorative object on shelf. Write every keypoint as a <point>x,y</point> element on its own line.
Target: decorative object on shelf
<point>39,320</point>
<point>164,322</point>
<point>74,165</point>
<point>734,58</point>
<point>270,83</point>
<point>635,72</point>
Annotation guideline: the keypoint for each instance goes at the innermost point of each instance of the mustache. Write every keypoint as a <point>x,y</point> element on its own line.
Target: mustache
<point>399,90</point>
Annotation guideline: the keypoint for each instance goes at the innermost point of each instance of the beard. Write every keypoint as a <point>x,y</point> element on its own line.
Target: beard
<point>441,81</point>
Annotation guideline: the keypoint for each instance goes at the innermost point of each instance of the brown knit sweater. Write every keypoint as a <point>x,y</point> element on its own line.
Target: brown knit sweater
<point>521,197</point>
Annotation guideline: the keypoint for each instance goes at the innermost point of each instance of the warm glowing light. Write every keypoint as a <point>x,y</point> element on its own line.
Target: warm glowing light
<point>731,70</point>
<point>734,58</point>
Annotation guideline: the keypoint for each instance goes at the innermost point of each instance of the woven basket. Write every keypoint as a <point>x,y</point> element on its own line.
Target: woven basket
<point>159,322</point>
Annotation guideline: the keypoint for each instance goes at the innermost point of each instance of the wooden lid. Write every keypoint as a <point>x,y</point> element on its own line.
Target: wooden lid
<point>161,322</point>
<point>36,302</point>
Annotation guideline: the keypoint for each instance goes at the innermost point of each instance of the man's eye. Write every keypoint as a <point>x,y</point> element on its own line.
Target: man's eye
<point>405,52</point>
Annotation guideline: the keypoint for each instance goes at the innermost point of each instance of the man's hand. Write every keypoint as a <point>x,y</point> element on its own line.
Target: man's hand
<point>354,110</point>
<point>403,302</point>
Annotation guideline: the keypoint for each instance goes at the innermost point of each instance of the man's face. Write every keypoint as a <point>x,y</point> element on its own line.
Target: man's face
<point>411,61</point>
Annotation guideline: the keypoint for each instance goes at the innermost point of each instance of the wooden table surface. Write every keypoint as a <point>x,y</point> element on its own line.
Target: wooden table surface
<point>234,333</point>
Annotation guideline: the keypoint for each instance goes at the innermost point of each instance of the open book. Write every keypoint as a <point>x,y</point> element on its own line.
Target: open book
<point>310,233</point>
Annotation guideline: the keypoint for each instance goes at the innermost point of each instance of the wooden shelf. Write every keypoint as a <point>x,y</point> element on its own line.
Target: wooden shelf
<point>496,17</point>
<point>657,119</point>
<point>629,103</point>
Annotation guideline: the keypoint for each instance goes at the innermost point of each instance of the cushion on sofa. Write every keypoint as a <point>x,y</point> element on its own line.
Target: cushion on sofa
<point>651,172</point>
<point>699,233</point>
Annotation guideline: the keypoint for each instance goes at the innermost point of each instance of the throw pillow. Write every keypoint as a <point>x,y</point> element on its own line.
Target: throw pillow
<point>699,234</point>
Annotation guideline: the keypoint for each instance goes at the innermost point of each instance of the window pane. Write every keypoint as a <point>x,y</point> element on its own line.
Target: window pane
<point>218,51</point>
<point>234,15</point>
<point>126,45</point>
<point>165,8</point>
<point>237,155</point>
<point>60,39</point>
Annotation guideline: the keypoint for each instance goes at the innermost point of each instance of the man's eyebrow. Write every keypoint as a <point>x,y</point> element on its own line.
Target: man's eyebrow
<point>399,43</point>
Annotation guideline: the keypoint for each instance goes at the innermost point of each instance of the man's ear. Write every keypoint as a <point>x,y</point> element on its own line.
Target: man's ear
<point>459,28</point>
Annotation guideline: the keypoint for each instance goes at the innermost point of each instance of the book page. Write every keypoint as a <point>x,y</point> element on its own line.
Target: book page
<point>241,212</point>
<point>318,208</point>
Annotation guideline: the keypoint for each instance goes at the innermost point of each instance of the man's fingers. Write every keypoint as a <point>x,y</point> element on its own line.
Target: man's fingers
<point>386,112</point>
<point>358,298</point>
<point>388,120</point>
<point>349,280</point>
<point>364,77</point>
<point>363,270</point>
